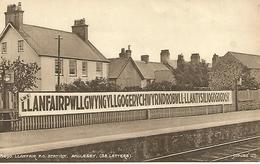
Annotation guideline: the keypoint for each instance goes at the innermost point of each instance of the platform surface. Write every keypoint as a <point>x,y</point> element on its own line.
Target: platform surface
<point>47,139</point>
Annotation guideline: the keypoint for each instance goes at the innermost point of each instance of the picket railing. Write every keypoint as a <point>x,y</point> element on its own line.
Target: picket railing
<point>69,120</point>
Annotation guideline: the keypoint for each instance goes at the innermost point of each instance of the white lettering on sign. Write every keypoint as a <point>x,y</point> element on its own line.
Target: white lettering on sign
<point>43,103</point>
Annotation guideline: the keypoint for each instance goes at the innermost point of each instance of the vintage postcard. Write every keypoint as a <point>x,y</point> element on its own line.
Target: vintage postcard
<point>130,81</point>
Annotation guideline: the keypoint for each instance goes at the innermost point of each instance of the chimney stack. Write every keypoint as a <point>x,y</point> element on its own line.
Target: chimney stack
<point>122,53</point>
<point>128,52</point>
<point>145,58</point>
<point>14,15</point>
<point>125,53</point>
<point>165,55</point>
<point>81,29</point>
<point>180,62</point>
<point>215,59</point>
<point>195,58</point>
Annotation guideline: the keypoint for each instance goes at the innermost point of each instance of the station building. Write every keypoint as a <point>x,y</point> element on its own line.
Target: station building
<point>79,57</point>
<point>126,72</point>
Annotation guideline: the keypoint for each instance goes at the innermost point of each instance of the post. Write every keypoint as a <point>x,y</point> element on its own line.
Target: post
<point>148,114</point>
<point>59,38</point>
<point>236,96</point>
<point>4,87</point>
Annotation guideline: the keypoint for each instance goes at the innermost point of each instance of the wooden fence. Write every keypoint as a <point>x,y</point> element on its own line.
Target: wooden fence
<point>68,120</point>
<point>247,100</point>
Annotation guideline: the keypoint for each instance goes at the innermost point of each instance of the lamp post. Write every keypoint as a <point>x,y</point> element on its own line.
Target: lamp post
<point>59,38</point>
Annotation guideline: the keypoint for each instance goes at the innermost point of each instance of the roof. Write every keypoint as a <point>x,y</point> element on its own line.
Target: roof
<point>173,63</point>
<point>249,60</point>
<point>43,41</point>
<point>146,70</point>
<point>116,66</point>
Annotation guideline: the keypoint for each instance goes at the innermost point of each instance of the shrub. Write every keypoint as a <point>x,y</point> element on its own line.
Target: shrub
<point>97,85</point>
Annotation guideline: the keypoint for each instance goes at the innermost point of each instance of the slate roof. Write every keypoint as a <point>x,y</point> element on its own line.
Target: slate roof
<point>249,60</point>
<point>43,41</point>
<point>173,63</point>
<point>116,66</point>
<point>146,70</point>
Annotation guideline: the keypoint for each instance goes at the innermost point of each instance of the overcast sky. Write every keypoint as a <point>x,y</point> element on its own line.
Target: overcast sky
<point>182,26</point>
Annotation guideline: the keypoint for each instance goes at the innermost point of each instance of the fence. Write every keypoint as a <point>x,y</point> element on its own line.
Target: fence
<point>247,100</point>
<point>68,120</point>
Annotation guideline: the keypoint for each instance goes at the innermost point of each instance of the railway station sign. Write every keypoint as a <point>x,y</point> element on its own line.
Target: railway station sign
<point>55,103</point>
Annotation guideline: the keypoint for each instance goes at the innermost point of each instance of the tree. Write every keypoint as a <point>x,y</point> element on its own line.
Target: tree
<point>24,74</point>
<point>228,71</point>
<point>248,82</point>
<point>191,75</point>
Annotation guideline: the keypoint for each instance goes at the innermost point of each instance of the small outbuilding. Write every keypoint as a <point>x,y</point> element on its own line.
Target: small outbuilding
<point>126,72</point>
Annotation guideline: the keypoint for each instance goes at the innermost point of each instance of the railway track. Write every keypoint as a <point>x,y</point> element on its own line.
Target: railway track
<point>247,149</point>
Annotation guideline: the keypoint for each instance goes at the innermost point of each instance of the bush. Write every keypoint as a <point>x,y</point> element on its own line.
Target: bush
<point>132,89</point>
<point>103,85</point>
<point>97,85</point>
<point>161,86</point>
<point>168,86</point>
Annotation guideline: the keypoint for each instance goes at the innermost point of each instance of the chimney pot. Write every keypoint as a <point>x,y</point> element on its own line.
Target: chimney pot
<point>19,6</point>
<point>128,51</point>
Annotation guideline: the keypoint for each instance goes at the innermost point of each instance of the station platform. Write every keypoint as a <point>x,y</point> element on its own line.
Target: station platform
<point>23,142</point>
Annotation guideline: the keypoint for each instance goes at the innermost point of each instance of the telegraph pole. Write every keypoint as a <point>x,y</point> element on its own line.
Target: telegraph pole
<point>4,87</point>
<point>59,70</point>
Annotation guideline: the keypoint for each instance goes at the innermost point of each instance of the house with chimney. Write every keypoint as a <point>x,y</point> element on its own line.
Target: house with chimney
<point>126,72</point>
<point>234,67</point>
<point>79,57</point>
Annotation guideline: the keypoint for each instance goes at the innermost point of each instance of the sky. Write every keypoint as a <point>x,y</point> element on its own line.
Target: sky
<point>149,26</point>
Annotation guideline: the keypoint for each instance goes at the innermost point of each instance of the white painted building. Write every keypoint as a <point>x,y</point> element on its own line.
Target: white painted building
<point>79,58</point>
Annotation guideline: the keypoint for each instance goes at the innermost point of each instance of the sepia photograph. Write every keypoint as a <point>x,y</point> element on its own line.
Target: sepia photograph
<point>130,81</point>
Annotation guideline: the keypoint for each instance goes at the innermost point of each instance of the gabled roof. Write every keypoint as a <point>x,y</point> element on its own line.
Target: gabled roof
<point>146,70</point>
<point>116,66</point>
<point>249,60</point>
<point>43,41</point>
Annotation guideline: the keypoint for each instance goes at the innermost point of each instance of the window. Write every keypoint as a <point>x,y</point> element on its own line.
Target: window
<point>84,68</point>
<point>4,47</point>
<point>99,69</point>
<point>56,66</point>
<point>73,67</point>
<point>20,46</point>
